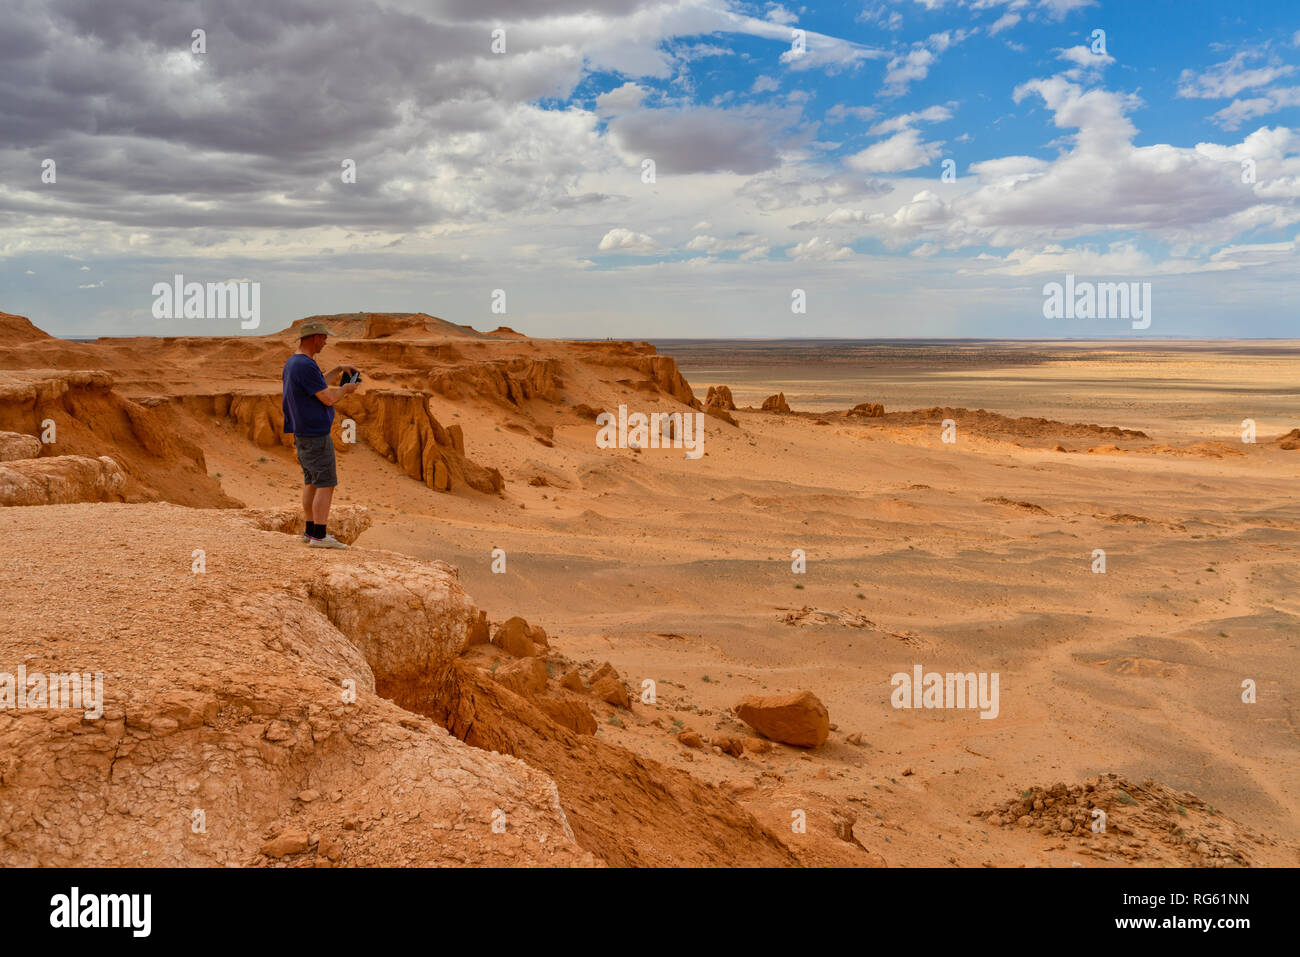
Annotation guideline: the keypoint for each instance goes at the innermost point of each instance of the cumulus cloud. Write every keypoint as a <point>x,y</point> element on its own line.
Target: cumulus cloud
<point>905,69</point>
<point>1083,57</point>
<point>621,99</point>
<point>622,240</point>
<point>902,151</point>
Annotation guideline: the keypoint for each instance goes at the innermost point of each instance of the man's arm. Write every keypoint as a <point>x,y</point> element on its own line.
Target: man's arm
<point>337,370</point>
<point>332,394</point>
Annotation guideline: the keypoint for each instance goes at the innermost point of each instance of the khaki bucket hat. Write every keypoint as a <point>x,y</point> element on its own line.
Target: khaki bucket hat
<point>314,328</point>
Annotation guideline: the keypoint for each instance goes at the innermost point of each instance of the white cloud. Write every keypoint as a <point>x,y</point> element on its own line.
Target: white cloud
<point>818,250</point>
<point>621,99</point>
<point>839,112</point>
<point>1239,111</point>
<point>1004,22</point>
<point>765,84</point>
<point>746,243</point>
<point>902,151</point>
<point>903,70</point>
<point>905,121</point>
<point>1058,9</point>
<point>1082,56</point>
<point>624,240</point>
<point>779,14</point>
<point>1230,77</point>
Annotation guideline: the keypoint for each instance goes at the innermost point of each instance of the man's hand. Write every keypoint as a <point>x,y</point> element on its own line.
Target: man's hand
<point>338,371</point>
<point>333,393</point>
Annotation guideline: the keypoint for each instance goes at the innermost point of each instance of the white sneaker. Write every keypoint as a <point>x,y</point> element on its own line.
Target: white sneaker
<point>329,541</point>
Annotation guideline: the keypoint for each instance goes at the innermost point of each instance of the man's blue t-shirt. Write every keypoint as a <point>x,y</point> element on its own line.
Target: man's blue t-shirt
<point>304,414</point>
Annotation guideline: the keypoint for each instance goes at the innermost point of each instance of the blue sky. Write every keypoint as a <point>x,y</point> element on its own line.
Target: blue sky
<point>782,161</point>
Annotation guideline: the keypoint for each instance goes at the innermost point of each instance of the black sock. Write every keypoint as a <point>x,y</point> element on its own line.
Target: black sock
<point>315,531</point>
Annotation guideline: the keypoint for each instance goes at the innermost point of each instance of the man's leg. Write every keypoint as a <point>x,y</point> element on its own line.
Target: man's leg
<point>320,504</point>
<point>308,494</point>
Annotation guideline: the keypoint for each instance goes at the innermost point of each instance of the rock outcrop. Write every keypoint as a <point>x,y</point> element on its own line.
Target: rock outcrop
<point>867,410</point>
<point>628,810</point>
<point>799,719</point>
<point>510,382</point>
<point>18,329</point>
<point>16,445</point>
<point>399,426</point>
<point>244,707</point>
<point>86,416</point>
<point>664,373</point>
<point>395,423</point>
<point>719,396</point>
<point>346,522</point>
<point>60,480</point>
<point>776,403</point>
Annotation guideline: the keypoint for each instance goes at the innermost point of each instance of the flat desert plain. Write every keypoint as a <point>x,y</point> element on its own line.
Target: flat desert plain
<point>1080,519</point>
<point>971,556</point>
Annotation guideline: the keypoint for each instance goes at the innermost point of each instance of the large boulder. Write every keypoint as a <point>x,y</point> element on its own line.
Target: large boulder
<point>799,719</point>
<point>17,445</point>
<point>514,637</point>
<point>776,403</point>
<point>61,480</point>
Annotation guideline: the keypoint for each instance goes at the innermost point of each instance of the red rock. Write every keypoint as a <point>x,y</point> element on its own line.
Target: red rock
<point>573,681</point>
<point>513,638</point>
<point>478,630</point>
<point>527,676</point>
<point>729,744</point>
<point>290,842</point>
<point>611,690</point>
<point>606,670</point>
<point>690,739</point>
<point>574,715</point>
<point>776,403</point>
<point>798,719</point>
<point>720,397</point>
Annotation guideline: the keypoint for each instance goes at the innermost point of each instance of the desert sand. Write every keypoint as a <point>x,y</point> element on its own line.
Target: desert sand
<point>475,494</point>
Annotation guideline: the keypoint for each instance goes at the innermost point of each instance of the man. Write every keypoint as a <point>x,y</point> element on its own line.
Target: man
<point>309,413</point>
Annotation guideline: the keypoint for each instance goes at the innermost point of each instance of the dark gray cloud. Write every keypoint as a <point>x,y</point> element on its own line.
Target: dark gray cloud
<point>252,132</point>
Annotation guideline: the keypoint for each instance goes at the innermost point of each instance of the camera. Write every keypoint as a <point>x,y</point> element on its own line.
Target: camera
<point>350,377</point>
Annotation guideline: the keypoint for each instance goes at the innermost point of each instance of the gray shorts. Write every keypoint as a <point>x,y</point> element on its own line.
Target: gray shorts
<point>316,456</point>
